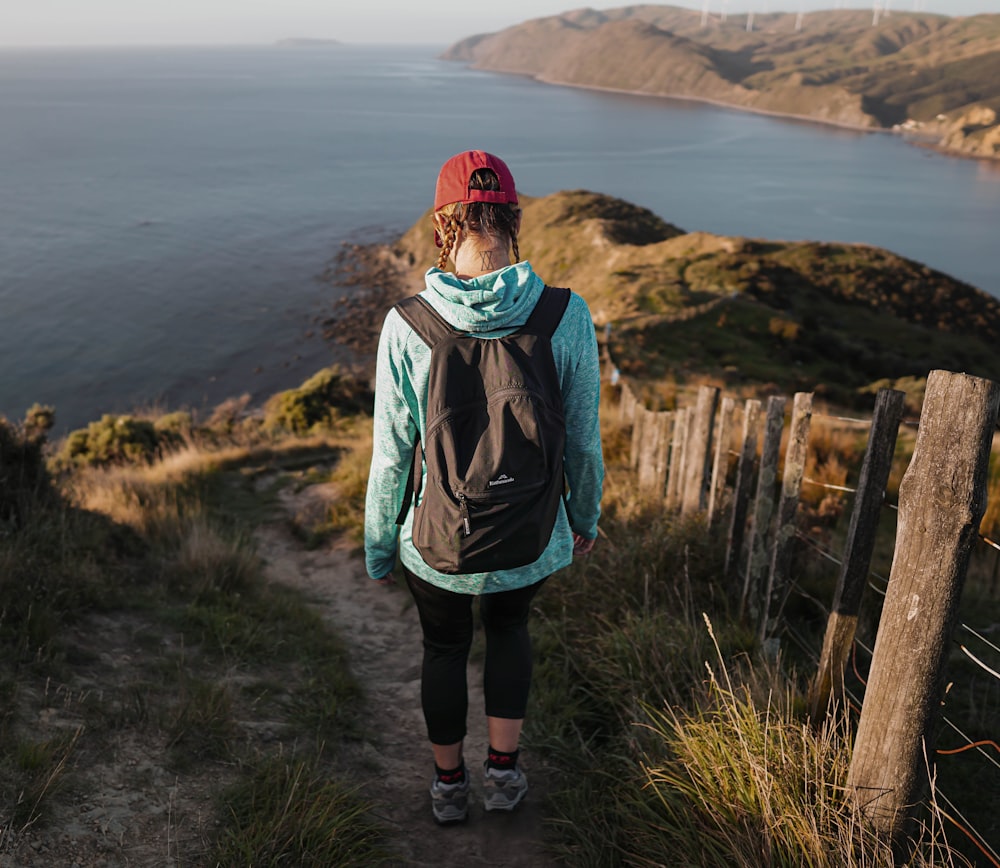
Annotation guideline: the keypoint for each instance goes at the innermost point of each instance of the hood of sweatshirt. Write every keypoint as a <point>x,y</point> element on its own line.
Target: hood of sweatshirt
<point>501,299</point>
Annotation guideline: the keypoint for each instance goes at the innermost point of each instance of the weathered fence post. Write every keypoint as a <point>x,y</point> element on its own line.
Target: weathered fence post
<point>649,448</point>
<point>741,491</point>
<point>752,600</point>
<point>638,431</point>
<point>677,458</point>
<point>626,410</point>
<point>942,499</point>
<point>665,421</point>
<point>858,548</point>
<point>791,487</point>
<point>699,451</point>
<point>720,464</point>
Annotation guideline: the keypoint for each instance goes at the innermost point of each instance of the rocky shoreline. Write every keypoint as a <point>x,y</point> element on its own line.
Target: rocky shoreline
<point>376,275</point>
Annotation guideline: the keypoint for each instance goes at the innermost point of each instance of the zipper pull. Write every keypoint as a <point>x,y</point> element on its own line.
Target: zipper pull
<point>463,508</point>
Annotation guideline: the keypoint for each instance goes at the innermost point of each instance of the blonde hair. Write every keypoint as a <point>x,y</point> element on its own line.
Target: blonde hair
<point>478,218</point>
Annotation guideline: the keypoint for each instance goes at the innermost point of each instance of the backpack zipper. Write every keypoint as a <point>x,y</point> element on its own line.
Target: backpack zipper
<point>463,508</point>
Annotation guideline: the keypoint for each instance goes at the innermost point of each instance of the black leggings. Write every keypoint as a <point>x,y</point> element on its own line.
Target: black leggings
<point>446,620</point>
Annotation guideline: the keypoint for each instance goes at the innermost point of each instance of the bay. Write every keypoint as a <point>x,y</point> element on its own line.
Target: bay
<point>166,214</point>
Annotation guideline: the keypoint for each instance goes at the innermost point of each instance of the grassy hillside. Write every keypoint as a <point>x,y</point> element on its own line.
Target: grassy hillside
<point>745,313</point>
<point>932,75</point>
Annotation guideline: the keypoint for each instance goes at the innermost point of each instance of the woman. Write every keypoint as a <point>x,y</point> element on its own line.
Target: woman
<point>490,294</point>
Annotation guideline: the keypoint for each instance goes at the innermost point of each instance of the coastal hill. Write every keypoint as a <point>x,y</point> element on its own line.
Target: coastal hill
<point>685,308</point>
<point>931,76</point>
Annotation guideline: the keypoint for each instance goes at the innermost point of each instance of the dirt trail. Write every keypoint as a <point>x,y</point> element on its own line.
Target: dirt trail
<point>393,762</point>
<point>124,805</point>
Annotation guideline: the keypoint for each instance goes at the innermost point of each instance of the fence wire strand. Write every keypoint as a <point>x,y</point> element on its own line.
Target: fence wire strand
<point>980,637</point>
<point>969,743</point>
<point>853,421</point>
<point>975,837</point>
<point>829,486</point>
<point>854,663</point>
<point>830,556</point>
<point>979,662</point>
<point>970,746</point>
<point>990,542</point>
<point>826,553</point>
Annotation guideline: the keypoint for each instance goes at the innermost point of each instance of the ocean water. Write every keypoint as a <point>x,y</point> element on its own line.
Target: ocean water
<point>166,214</point>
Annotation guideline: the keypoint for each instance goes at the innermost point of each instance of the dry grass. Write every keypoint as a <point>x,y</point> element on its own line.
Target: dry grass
<point>745,783</point>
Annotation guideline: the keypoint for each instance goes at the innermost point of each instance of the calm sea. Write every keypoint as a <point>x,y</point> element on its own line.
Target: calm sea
<point>165,214</point>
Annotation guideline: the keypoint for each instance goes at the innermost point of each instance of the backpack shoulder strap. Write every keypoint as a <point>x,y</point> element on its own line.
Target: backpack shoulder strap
<point>424,320</point>
<point>548,312</point>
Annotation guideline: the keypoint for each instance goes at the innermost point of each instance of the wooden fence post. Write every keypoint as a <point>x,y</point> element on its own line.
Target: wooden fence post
<point>677,457</point>
<point>638,430</point>
<point>649,447</point>
<point>942,499</point>
<point>720,464</point>
<point>629,403</point>
<point>858,548</point>
<point>699,451</point>
<point>791,487</point>
<point>741,492</point>
<point>752,600</point>
<point>664,431</point>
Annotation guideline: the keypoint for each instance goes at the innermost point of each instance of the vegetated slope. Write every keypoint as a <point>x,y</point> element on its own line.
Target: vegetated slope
<point>930,74</point>
<point>690,307</point>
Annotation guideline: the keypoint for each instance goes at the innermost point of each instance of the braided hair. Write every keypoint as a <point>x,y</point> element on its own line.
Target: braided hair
<point>478,218</point>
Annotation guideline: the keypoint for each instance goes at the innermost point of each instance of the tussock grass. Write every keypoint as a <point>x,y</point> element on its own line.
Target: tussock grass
<point>200,725</point>
<point>39,773</point>
<point>286,812</point>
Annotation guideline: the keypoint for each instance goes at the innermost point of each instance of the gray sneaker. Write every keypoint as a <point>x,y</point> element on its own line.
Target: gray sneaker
<point>450,802</point>
<point>503,789</point>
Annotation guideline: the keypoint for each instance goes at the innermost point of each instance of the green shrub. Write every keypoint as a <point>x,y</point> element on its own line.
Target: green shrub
<point>174,426</point>
<point>38,421</point>
<point>318,402</point>
<point>23,477</point>
<point>114,440</point>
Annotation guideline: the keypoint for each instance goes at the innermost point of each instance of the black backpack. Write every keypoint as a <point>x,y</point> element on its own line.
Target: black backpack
<point>493,445</point>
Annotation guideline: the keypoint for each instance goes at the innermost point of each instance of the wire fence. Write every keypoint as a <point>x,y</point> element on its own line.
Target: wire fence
<point>981,654</point>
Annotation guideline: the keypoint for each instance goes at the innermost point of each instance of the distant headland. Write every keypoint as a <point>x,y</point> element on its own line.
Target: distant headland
<point>933,78</point>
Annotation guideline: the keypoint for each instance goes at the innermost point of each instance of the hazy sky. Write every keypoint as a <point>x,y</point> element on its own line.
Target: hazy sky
<point>118,22</point>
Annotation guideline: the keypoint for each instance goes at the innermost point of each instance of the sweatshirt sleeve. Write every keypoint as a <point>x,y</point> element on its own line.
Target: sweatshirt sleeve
<point>584,461</point>
<point>394,436</point>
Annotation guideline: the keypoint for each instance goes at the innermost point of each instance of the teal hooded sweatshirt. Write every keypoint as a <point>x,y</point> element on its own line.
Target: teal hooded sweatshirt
<point>491,306</point>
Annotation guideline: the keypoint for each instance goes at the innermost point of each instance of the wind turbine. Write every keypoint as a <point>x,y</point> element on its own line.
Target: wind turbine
<point>750,21</point>
<point>704,14</point>
<point>799,17</point>
<point>876,12</point>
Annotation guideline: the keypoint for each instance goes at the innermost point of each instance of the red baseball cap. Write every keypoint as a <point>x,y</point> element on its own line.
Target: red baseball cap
<point>453,180</point>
